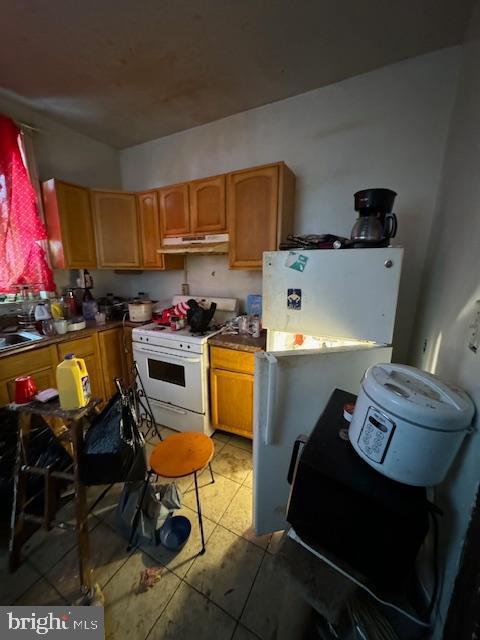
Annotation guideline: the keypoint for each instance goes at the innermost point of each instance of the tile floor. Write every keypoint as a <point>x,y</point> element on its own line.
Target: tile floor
<point>232,592</point>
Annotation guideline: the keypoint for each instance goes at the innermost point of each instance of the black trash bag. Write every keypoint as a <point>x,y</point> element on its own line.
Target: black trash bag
<point>114,447</point>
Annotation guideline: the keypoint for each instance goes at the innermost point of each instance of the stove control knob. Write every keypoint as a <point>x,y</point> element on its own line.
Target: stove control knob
<point>181,346</point>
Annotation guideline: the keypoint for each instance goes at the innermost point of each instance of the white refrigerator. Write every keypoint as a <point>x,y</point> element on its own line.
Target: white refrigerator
<point>329,315</point>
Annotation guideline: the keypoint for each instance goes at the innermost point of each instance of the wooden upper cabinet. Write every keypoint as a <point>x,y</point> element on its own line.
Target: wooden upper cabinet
<point>260,212</point>
<point>116,229</point>
<point>252,210</point>
<point>207,206</point>
<point>68,217</point>
<point>151,235</point>
<point>149,218</point>
<point>174,210</point>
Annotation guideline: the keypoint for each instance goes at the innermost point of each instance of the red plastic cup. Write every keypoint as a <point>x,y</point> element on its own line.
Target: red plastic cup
<point>25,389</point>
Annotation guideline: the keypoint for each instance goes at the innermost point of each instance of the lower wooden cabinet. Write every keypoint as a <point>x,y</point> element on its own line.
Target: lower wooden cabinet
<point>231,390</point>
<point>127,348</point>
<point>112,358</point>
<point>39,363</point>
<point>108,355</point>
<point>232,401</point>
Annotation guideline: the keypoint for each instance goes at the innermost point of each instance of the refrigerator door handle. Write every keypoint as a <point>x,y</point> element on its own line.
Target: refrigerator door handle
<point>299,442</point>
<point>271,396</point>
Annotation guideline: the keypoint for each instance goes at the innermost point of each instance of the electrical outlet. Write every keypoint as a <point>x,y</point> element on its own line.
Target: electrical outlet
<point>474,335</point>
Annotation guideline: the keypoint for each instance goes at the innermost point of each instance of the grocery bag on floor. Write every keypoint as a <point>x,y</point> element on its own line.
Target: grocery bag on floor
<point>158,503</point>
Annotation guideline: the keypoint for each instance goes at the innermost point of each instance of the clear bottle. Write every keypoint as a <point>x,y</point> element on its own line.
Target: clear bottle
<point>70,304</point>
<point>256,327</point>
<point>243,325</point>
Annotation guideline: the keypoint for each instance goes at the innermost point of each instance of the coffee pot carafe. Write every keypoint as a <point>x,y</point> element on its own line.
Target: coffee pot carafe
<point>376,223</point>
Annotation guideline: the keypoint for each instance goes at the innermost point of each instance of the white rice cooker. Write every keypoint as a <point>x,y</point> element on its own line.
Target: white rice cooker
<point>408,424</point>
<point>140,310</point>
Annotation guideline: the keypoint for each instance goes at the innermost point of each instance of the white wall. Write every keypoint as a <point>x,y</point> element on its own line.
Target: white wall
<point>449,290</point>
<point>64,153</point>
<point>385,128</point>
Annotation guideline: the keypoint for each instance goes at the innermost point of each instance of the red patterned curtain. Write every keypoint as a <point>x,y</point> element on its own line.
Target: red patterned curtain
<point>22,259</point>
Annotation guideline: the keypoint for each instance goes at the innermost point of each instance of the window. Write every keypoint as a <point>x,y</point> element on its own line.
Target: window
<point>22,233</point>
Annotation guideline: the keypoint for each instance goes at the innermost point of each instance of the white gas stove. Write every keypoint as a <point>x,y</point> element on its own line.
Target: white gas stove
<point>163,336</point>
<point>173,367</point>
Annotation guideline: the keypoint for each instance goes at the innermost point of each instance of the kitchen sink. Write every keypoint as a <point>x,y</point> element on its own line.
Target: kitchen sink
<point>9,340</point>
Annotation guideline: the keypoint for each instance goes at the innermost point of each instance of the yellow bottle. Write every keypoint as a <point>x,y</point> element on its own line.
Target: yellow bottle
<point>72,383</point>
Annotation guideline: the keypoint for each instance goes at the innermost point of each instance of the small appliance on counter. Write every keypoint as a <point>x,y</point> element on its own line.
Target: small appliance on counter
<point>408,424</point>
<point>140,310</point>
<point>344,509</point>
<point>114,307</point>
<point>376,223</point>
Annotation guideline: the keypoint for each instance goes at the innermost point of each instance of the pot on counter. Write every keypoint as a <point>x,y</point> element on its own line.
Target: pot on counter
<point>140,310</point>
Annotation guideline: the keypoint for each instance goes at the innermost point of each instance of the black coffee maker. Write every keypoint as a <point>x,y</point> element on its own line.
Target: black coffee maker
<point>376,223</point>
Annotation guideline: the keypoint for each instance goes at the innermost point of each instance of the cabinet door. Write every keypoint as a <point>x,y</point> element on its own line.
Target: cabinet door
<point>174,213</point>
<point>116,228</point>
<point>111,358</point>
<point>4,394</point>
<point>69,222</point>
<point>44,379</point>
<point>127,347</point>
<point>150,230</point>
<point>95,376</point>
<point>232,401</point>
<point>40,363</point>
<point>207,206</point>
<point>252,215</point>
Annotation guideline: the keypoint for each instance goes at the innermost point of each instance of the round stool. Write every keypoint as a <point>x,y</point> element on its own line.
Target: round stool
<point>180,455</point>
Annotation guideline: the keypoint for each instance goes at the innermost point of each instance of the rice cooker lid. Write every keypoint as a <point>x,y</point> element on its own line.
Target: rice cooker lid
<point>419,397</point>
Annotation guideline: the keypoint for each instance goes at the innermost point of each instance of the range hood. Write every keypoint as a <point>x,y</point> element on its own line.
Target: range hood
<point>213,243</point>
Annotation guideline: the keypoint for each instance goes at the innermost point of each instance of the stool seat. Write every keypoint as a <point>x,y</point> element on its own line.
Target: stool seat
<point>181,454</point>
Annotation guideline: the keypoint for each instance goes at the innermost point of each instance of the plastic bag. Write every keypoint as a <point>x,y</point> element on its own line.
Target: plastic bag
<point>114,447</point>
<point>158,503</point>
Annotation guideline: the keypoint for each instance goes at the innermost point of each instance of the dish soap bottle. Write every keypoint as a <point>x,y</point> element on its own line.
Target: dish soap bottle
<point>72,383</point>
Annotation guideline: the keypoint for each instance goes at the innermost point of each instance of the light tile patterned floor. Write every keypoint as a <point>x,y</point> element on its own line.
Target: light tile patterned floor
<point>232,592</point>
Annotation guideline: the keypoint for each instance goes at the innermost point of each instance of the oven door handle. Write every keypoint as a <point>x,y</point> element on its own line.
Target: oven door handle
<point>169,407</point>
<point>164,356</point>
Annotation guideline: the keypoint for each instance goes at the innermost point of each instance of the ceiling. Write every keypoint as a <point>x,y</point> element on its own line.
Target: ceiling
<point>127,71</point>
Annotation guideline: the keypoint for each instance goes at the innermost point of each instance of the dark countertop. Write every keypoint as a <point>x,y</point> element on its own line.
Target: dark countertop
<point>46,341</point>
<point>239,342</point>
